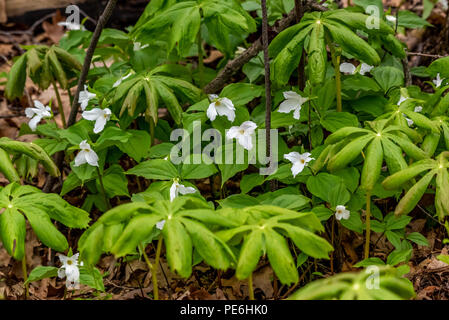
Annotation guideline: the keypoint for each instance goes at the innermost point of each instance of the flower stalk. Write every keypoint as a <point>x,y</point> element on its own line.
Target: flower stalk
<point>102,189</point>
<point>368,224</point>
<point>60,105</point>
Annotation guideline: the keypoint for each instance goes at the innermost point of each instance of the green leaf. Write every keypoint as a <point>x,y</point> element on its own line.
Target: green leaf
<point>418,238</point>
<point>250,181</point>
<point>16,79</point>
<point>137,146</point>
<point>42,272</point>
<point>388,77</point>
<point>91,276</point>
<point>157,169</point>
<point>12,232</point>
<point>179,247</point>
<point>250,254</point>
<point>281,259</point>
<point>333,121</point>
<point>408,19</point>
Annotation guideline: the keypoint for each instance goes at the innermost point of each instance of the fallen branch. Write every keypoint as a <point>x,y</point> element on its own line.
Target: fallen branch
<point>234,65</point>
<point>82,80</point>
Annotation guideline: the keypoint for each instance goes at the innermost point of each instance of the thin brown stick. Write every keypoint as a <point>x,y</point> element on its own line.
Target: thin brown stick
<point>234,65</point>
<point>88,59</point>
<point>299,13</point>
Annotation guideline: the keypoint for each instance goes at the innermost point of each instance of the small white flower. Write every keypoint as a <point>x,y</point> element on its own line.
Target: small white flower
<point>119,81</point>
<point>86,155</point>
<point>138,46</point>
<point>178,188</point>
<point>347,68</point>
<point>418,109</point>
<point>243,133</point>
<point>438,81</point>
<point>402,99</point>
<point>70,271</point>
<point>71,25</point>
<point>160,225</point>
<point>365,68</point>
<point>391,19</point>
<point>85,97</point>
<point>220,106</point>
<point>100,116</point>
<point>293,101</point>
<point>444,4</point>
<point>37,113</point>
<point>409,121</point>
<point>342,213</point>
<point>299,161</point>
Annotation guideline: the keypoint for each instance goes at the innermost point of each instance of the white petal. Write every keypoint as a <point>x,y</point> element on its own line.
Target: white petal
<point>365,68</point>
<point>346,67</point>
<point>346,214</point>
<point>80,158</point>
<point>297,113</point>
<point>297,167</point>
<point>211,112</point>
<point>85,145</point>
<point>340,208</point>
<point>291,95</point>
<point>92,158</point>
<point>287,106</point>
<point>61,272</point>
<point>174,190</point>
<point>29,112</point>
<point>245,141</point>
<point>418,109</point>
<point>292,157</point>
<point>225,111</point>
<point>212,97</point>
<point>186,190</point>
<point>233,132</point>
<point>391,18</point>
<point>160,225</point>
<point>249,127</point>
<point>99,124</point>
<point>93,114</point>
<point>33,122</point>
<point>39,105</point>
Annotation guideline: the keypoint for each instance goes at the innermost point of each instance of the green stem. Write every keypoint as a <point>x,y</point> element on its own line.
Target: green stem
<point>152,126</point>
<point>368,223</point>
<point>25,277</point>
<point>156,264</point>
<point>336,54</point>
<point>251,287</point>
<point>60,106</point>
<point>200,59</point>
<point>103,190</point>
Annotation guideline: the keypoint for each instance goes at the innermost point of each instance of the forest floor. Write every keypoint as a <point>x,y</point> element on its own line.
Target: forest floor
<point>132,280</point>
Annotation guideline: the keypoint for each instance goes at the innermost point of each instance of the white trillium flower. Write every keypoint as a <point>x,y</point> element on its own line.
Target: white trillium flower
<point>221,107</point>
<point>177,188</point>
<point>86,155</point>
<point>292,102</point>
<point>402,99</point>
<point>100,116</point>
<point>418,109</point>
<point>391,18</point>
<point>70,271</point>
<point>365,68</point>
<point>85,97</point>
<point>160,225</point>
<point>243,133</point>
<point>138,46</point>
<point>299,161</point>
<point>409,121</point>
<point>444,4</point>
<point>438,81</point>
<point>37,113</point>
<point>71,25</point>
<point>119,81</point>
<point>342,213</point>
<point>348,68</point>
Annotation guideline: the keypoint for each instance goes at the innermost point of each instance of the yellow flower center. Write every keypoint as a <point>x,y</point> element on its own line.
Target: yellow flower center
<point>69,262</point>
<point>217,103</point>
<point>242,131</point>
<point>303,161</point>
